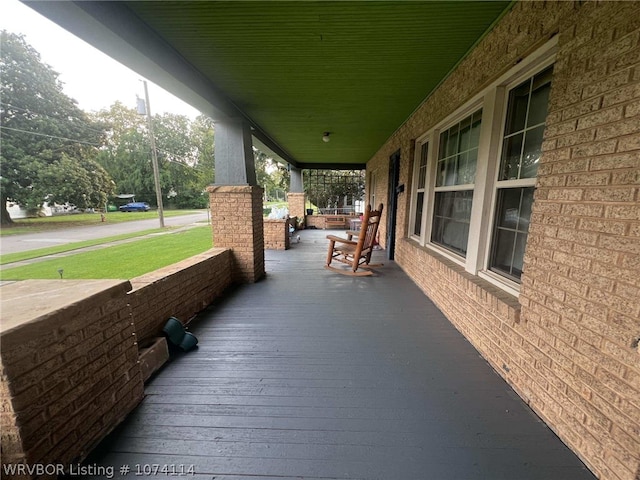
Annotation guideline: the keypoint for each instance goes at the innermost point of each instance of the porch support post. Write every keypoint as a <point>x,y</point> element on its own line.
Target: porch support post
<point>236,201</point>
<point>234,154</point>
<point>296,196</point>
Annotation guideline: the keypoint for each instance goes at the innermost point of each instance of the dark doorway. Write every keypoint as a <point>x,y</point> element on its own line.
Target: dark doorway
<point>392,203</point>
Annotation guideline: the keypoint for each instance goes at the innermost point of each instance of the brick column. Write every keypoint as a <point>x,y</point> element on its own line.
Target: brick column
<point>296,204</point>
<point>236,221</point>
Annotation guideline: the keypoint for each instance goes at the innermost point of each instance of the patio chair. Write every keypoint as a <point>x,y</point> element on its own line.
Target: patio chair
<point>356,253</point>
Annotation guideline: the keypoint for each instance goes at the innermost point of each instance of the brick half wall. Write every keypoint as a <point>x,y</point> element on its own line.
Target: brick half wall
<point>70,354</point>
<point>69,367</point>
<point>180,290</point>
<point>276,234</point>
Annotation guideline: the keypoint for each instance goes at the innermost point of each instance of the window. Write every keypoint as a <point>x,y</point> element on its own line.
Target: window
<point>420,190</point>
<point>372,189</point>
<point>521,149</point>
<point>455,178</point>
<point>475,173</point>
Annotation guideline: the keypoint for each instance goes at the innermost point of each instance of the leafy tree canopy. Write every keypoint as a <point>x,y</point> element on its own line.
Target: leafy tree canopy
<point>48,143</point>
<point>272,176</point>
<point>184,149</point>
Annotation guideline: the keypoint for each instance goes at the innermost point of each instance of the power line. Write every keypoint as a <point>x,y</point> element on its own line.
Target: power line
<point>50,136</point>
<point>58,117</point>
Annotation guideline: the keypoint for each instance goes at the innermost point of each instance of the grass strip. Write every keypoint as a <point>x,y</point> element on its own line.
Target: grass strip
<point>119,261</point>
<point>68,247</point>
<point>44,224</point>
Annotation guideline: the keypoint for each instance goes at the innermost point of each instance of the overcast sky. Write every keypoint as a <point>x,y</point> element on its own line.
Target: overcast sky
<point>89,76</point>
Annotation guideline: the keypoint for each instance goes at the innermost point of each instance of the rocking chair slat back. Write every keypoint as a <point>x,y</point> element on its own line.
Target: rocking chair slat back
<point>357,254</point>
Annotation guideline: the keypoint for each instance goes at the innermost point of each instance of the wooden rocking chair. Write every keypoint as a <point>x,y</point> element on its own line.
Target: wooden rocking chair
<point>356,253</point>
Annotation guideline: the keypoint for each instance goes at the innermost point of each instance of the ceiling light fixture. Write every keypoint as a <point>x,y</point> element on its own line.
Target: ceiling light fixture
<point>325,137</point>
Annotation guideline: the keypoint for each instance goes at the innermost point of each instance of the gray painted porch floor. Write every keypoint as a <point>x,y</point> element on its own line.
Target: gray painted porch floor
<point>310,374</point>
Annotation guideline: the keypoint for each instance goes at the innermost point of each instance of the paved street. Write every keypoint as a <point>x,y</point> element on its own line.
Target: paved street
<point>32,241</point>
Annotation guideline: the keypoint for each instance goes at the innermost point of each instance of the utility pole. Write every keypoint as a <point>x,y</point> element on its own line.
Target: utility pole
<point>154,156</point>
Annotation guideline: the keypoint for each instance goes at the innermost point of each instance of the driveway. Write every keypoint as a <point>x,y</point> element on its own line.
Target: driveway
<point>32,241</point>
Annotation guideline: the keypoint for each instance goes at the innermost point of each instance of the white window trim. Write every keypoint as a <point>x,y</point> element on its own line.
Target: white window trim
<point>484,270</point>
<point>432,166</point>
<point>417,160</point>
<point>493,100</point>
<point>373,180</point>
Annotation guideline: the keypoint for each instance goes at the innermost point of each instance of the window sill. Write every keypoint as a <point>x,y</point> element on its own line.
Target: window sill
<point>512,288</point>
<point>457,259</point>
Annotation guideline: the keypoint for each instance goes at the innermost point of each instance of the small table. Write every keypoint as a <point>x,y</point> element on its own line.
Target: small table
<point>355,224</point>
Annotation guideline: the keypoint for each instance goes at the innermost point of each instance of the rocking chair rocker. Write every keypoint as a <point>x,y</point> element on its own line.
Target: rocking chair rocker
<point>356,253</point>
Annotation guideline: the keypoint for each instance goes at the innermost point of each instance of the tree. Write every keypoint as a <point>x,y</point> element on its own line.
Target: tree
<point>178,162</point>
<point>272,176</point>
<point>48,143</point>
<point>185,155</point>
<point>202,134</point>
<point>125,153</point>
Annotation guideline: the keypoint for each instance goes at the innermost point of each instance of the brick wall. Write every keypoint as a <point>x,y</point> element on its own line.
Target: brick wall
<point>339,222</point>
<point>581,291</point>
<point>276,234</point>
<point>236,220</point>
<point>70,361</point>
<point>296,204</point>
<point>160,294</point>
<point>567,344</point>
<point>11,447</point>
<point>69,371</point>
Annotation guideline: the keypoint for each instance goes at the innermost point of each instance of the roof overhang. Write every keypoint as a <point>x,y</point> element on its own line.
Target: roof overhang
<point>292,70</point>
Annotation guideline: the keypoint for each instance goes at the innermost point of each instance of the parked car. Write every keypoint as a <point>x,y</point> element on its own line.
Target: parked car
<point>135,207</point>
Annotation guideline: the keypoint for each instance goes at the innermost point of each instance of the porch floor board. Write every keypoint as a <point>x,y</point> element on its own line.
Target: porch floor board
<point>310,374</point>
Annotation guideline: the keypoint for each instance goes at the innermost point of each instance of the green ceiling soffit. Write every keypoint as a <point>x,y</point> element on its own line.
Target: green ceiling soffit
<point>356,69</point>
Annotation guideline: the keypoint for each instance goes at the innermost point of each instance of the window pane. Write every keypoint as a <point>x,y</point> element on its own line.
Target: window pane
<point>418,218</point>
<point>540,98</point>
<point>527,101</point>
<point>452,214</point>
<point>422,173</point>
<point>441,174</point>
<point>474,137</point>
<point>422,177</point>
<point>511,154</point>
<point>465,133</point>
<point>518,100</point>
<point>452,141</point>
<point>459,145</point>
<point>472,160</point>
<point>463,170</point>
<point>525,209</point>
<point>452,170</point>
<point>503,251</point>
<point>518,255</point>
<point>513,213</point>
<point>509,207</point>
<point>531,153</point>
<point>442,150</point>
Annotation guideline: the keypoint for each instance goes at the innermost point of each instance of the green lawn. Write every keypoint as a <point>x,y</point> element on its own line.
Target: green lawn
<point>42,224</point>
<point>42,252</point>
<point>120,261</point>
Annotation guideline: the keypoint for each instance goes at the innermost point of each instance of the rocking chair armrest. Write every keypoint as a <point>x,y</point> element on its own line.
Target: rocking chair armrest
<point>341,240</point>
